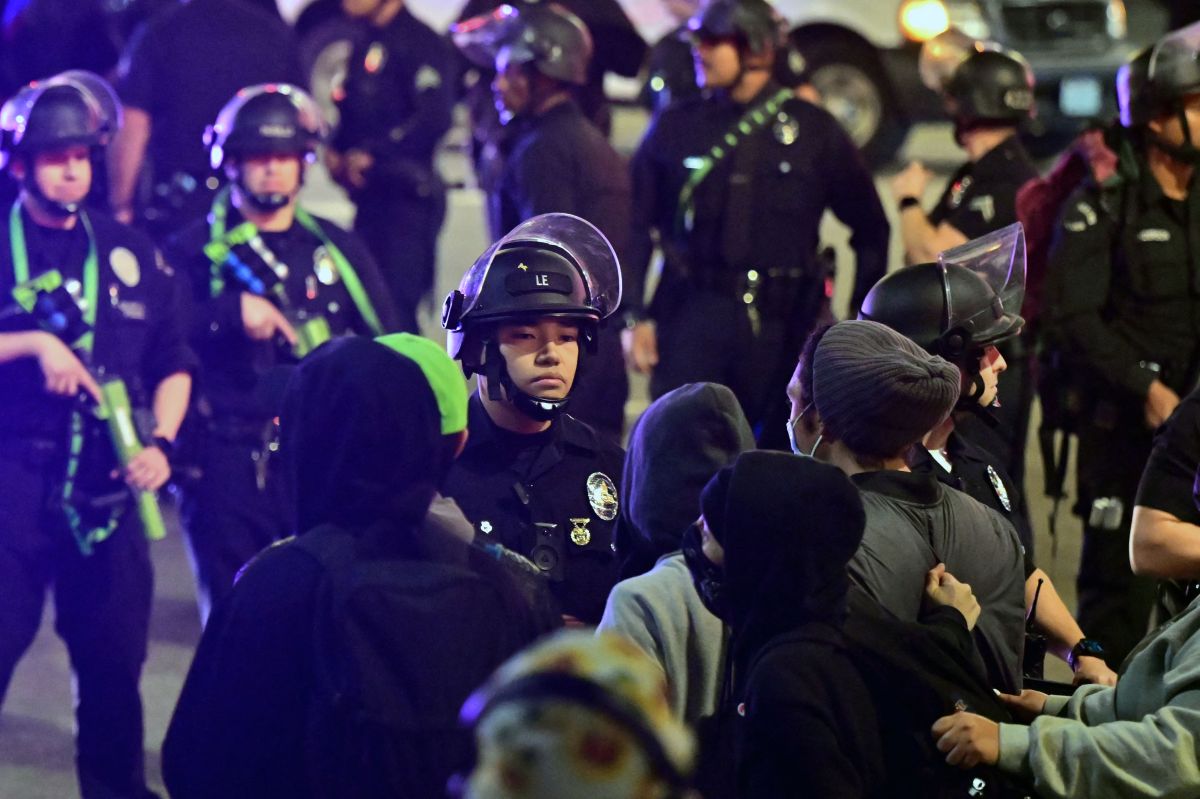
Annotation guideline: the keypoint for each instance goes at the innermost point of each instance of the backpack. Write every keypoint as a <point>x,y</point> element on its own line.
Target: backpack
<point>398,646</point>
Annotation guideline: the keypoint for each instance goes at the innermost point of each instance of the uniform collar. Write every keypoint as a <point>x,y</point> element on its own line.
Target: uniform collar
<point>1001,160</point>
<point>564,430</point>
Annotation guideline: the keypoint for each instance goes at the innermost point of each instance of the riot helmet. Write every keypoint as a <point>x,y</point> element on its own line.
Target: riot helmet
<point>1172,73</point>
<point>553,265</point>
<point>754,24</point>
<point>263,119</point>
<point>548,37</point>
<point>68,109</point>
<point>1133,96</point>
<point>957,307</point>
<point>982,83</point>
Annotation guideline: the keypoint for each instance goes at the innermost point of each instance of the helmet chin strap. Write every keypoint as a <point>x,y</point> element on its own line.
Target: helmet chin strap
<point>264,201</point>
<point>969,401</point>
<point>495,369</point>
<point>55,208</point>
<point>1186,153</point>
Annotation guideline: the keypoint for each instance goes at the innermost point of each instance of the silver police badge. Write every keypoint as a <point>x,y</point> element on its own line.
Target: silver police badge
<point>324,267</point>
<point>602,495</point>
<point>998,487</point>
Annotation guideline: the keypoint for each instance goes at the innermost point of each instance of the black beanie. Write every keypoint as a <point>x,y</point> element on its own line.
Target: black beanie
<point>877,391</point>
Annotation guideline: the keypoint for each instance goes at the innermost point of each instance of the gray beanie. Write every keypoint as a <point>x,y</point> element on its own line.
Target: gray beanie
<point>877,391</point>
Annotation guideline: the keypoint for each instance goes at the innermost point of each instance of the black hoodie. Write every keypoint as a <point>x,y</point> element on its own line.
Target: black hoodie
<point>678,444</point>
<point>361,435</point>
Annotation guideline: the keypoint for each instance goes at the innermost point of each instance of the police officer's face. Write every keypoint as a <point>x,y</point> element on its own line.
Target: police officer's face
<point>271,173</point>
<point>1170,128</point>
<point>718,64</point>
<point>64,175</point>
<point>511,88</point>
<point>991,364</point>
<point>541,357</point>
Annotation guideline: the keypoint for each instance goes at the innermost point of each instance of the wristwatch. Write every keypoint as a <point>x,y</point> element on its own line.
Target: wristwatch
<point>1085,648</point>
<point>908,202</point>
<point>165,444</point>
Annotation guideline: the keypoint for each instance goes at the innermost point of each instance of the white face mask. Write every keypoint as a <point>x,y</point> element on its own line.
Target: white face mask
<point>791,433</point>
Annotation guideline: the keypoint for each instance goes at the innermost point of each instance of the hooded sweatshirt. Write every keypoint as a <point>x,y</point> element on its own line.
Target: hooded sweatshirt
<point>679,443</point>
<point>805,723</point>
<point>362,444</point>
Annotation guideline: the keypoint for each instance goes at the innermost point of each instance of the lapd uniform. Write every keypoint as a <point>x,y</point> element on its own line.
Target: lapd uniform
<point>560,162</point>
<point>1123,291</point>
<point>550,496</point>
<point>981,198</point>
<point>235,502</point>
<point>741,283</point>
<point>102,600</point>
<point>971,471</point>
<point>396,105</point>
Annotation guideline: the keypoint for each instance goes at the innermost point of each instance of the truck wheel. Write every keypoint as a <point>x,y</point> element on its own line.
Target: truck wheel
<point>324,53</point>
<point>854,90</point>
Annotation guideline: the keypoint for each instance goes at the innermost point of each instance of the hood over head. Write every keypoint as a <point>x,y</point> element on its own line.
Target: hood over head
<point>788,526</point>
<point>678,444</point>
<point>361,435</point>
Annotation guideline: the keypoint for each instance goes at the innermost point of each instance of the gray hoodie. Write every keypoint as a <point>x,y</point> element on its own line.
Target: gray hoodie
<point>682,440</point>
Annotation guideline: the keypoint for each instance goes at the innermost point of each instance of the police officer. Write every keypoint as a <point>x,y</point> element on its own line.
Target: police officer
<point>533,477</point>
<point>735,185</point>
<point>1123,295</point>
<point>558,160</point>
<point>86,303</point>
<point>962,307</point>
<point>988,93</point>
<point>670,71</point>
<point>395,106</point>
<point>176,73</point>
<point>269,282</point>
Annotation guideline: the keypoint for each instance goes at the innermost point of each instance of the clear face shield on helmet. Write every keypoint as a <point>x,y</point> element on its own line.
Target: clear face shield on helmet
<point>104,107</point>
<point>999,259</point>
<point>309,116</point>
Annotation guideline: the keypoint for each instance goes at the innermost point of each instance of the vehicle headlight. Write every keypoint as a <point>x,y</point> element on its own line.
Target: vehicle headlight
<point>1118,25</point>
<point>921,20</point>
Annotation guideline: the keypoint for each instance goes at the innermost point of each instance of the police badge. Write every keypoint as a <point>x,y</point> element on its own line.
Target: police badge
<point>998,487</point>
<point>324,267</point>
<point>602,495</point>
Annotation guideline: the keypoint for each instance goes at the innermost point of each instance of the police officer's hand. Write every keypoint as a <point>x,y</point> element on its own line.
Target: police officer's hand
<point>941,588</point>
<point>262,320</point>
<point>1093,670</point>
<point>640,344</point>
<point>911,181</point>
<point>968,739</point>
<point>65,374</point>
<point>1160,403</point>
<point>149,470</point>
<point>1026,706</point>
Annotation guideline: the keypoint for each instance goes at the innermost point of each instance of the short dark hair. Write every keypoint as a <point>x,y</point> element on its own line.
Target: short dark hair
<point>805,372</point>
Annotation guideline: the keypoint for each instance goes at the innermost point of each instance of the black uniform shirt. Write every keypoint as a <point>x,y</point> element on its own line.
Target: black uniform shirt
<point>761,206</point>
<point>982,195</point>
<point>398,96</point>
<point>188,61</point>
<point>975,473</point>
<point>139,334</point>
<point>542,495</point>
<point>234,365</point>
<point>561,162</point>
<point>1124,283</point>
<point>1170,475</point>
<point>670,71</point>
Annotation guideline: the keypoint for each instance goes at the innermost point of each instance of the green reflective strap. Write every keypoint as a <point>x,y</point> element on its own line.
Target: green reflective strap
<point>752,121</point>
<point>85,538</point>
<point>353,285</point>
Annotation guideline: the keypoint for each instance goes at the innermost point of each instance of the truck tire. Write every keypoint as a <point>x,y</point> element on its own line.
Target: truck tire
<point>324,52</point>
<point>847,75</point>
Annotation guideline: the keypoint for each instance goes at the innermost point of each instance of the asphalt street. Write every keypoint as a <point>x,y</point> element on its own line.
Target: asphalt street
<point>36,724</point>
